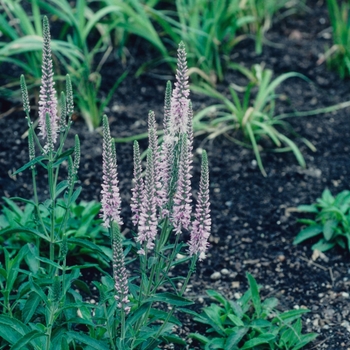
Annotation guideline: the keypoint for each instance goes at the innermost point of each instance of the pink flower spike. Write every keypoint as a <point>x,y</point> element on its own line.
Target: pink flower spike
<point>138,189</point>
<point>111,202</point>
<point>147,230</point>
<point>119,271</point>
<point>182,208</point>
<point>202,224</point>
<point>47,96</point>
<point>179,101</point>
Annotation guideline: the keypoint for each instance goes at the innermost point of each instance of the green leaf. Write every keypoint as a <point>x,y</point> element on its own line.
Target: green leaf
<point>201,338</point>
<point>87,244</point>
<point>328,229</point>
<point>323,246</point>
<point>304,340</point>
<point>31,258</point>
<point>235,337</point>
<point>255,293</point>
<point>30,307</point>
<point>235,320</point>
<point>220,298</point>
<point>307,233</point>
<point>174,339</point>
<point>289,316</point>
<point>13,330</point>
<point>32,162</point>
<point>93,343</point>
<point>21,343</point>
<point>170,299</point>
<point>24,230</point>
<point>308,208</point>
<point>261,339</point>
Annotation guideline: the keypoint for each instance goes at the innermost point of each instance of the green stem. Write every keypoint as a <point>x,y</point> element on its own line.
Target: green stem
<point>49,329</point>
<point>110,333</point>
<point>170,314</point>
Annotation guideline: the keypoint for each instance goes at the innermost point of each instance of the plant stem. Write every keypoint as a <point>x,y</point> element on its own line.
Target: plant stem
<point>190,271</point>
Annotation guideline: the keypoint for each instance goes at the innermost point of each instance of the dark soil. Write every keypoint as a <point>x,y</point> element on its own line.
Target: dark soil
<point>254,219</point>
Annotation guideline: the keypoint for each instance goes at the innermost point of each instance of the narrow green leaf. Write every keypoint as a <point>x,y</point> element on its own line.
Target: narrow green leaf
<point>95,344</point>
<point>170,299</point>
<point>235,337</point>
<point>255,293</point>
<point>29,164</point>
<point>26,339</point>
<point>261,339</point>
<point>30,307</point>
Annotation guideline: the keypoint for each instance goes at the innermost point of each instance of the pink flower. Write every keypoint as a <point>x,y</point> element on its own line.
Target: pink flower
<point>119,271</point>
<point>202,224</point>
<point>47,96</point>
<point>147,229</point>
<point>180,101</point>
<point>182,208</point>
<point>110,201</point>
<point>138,189</point>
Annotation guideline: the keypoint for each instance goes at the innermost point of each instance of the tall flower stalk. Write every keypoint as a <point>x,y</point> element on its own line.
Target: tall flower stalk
<point>162,202</point>
<point>111,202</point>
<point>47,97</point>
<point>111,207</point>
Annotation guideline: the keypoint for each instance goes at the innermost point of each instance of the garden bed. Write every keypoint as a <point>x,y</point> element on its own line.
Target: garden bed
<point>254,218</point>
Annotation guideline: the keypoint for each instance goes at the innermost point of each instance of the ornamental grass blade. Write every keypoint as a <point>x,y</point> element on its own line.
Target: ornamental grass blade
<point>294,149</point>
<point>256,149</point>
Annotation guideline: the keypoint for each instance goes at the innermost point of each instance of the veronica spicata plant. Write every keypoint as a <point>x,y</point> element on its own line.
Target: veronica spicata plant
<point>40,290</point>
<point>250,323</point>
<point>162,211</point>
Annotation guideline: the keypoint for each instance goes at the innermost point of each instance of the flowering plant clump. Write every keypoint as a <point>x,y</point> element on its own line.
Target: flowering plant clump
<point>162,210</point>
<point>39,290</point>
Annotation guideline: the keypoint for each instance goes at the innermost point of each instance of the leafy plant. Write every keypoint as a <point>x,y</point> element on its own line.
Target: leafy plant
<point>43,299</point>
<point>79,23</point>
<point>250,323</point>
<point>331,222</point>
<point>338,56</point>
<point>17,222</point>
<point>253,116</point>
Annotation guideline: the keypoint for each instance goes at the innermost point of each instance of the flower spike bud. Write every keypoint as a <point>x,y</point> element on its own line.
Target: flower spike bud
<point>119,271</point>
<point>179,101</point>
<point>147,229</point>
<point>153,144</point>
<point>74,166</point>
<point>62,122</point>
<point>56,289</point>
<point>111,201</point>
<point>31,146</point>
<point>25,98</point>
<point>47,97</point>
<point>152,135</point>
<point>167,108</point>
<point>201,226</point>
<point>49,146</point>
<point>182,208</point>
<point>69,95</point>
<point>138,189</point>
